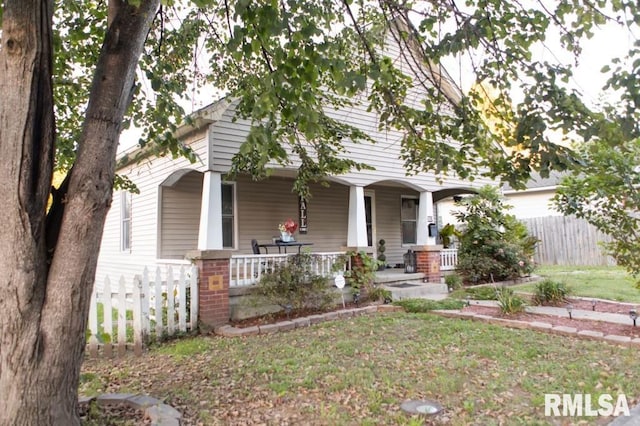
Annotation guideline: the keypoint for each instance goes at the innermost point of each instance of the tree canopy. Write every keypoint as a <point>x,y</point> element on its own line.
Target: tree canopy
<point>288,61</point>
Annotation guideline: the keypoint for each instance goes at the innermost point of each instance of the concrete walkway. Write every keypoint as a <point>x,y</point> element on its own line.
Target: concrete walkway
<point>562,312</point>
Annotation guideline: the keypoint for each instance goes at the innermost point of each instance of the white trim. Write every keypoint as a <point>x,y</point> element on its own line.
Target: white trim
<point>527,190</point>
<point>374,238</point>
<point>210,228</point>
<point>425,217</point>
<point>235,213</point>
<point>357,226</point>
<point>126,199</point>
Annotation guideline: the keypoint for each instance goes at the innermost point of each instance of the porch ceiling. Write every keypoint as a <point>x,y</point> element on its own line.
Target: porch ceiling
<point>450,192</point>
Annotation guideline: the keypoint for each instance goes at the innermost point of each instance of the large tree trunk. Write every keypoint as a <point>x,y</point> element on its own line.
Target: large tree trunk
<point>44,297</point>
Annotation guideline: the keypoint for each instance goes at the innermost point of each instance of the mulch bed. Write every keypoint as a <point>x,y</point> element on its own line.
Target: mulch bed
<point>282,315</point>
<point>580,324</point>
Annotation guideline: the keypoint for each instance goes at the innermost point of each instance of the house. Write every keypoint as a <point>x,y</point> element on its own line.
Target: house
<point>184,207</point>
<point>531,202</point>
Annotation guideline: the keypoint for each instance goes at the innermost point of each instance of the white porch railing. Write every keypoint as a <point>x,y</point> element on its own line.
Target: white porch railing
<point>247,269</point>
<point>448,259</point>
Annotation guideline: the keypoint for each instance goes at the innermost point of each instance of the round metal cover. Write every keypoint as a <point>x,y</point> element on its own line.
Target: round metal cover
<point>424,406</point>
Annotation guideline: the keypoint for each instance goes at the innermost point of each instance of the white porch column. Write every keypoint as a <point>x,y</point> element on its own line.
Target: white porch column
<point>357,227</point>
<point>425,216</point>
<point>210,231</point>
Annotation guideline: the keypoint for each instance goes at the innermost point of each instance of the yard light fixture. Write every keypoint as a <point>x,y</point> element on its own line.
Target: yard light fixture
<point>356,298</point>
<point>593,305</point>
<point>633,314</point>
<point>570,310</point>
<point>287,309</point>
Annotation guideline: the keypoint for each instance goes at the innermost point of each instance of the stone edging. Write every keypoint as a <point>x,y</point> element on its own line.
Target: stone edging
<point>159,413</point>
<point>543,326</point>
<point>230,331</point>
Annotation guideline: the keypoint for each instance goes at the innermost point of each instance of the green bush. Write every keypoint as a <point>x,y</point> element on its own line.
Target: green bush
<point>376,293</point>
<point>293,285</point>
<point>508,302</point>
<point>453,281</point>
<point>426,305</point>
<point>494,246</point>
<point>549,292</point>
<point>382,258</point>
<point>362,272</point>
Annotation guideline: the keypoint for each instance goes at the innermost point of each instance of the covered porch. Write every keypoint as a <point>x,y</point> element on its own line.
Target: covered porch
<point>247,269</point>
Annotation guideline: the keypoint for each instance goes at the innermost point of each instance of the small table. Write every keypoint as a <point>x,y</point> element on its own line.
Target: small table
<point>280,244</point>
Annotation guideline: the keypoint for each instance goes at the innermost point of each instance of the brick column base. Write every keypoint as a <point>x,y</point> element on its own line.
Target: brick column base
<point>213,286</point>
<point>428,262</point>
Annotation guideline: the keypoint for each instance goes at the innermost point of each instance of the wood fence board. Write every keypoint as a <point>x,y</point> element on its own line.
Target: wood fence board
<point>567,241</point>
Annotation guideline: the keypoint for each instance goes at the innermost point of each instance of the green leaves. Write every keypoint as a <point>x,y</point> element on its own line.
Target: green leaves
<point>290,65</point>
<point>604,192</point>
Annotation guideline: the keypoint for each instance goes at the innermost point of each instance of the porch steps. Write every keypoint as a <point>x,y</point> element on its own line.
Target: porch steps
<point>416,289</point>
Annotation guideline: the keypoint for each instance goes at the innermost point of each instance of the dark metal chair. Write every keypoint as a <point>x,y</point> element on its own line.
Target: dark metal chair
<point>255,247</point>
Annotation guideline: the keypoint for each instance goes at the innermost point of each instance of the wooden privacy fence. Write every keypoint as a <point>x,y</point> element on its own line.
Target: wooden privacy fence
<point>567,241</point>
<point>130,315</point>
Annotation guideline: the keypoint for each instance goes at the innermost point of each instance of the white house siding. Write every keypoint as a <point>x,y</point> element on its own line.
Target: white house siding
<point>532,203</point>
<point>180,216</point>
<point>445,209</point>
<point>265,204</point>
<point>383,156</point>
<point>147,175</point>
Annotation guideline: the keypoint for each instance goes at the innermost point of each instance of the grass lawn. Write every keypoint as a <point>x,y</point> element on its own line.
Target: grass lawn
<point>604,282</point>
<point>358,371</point>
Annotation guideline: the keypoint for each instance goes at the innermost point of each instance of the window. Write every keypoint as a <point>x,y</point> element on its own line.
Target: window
<point>125,221</point>
<point>228,215</point>
<point>409,219</point>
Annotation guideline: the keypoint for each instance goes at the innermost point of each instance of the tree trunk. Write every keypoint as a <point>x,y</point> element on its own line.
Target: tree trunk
<point>44,297</point>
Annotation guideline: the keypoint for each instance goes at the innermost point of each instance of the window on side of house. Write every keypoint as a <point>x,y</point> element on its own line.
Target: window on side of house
<point>125,221</point>
<point>409,219</point>
<point>228,215</point>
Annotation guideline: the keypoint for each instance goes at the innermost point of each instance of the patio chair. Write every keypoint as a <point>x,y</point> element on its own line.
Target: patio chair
<point>255,247</point>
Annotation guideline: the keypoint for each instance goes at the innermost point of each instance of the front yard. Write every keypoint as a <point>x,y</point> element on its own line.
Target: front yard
<point>358,371</point>
<point>603,282</point>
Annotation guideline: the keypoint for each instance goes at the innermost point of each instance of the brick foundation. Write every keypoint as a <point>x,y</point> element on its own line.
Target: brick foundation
<point>213,286</point>
<point>428,262</point>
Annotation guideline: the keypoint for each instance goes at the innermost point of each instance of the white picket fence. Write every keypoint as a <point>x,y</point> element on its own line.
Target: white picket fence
<point>245,270</point>
<point>129,315</point>
<point>448,259</point>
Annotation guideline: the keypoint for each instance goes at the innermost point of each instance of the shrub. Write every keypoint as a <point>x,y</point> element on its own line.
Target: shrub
<point>362,272</point>
<point>376,293</point>
<point>293,285</point>
<point>453,281</point>
<point>508,302</point>
<point>549,292</point>
<point>382,258</point>
<point>426,305</point>
<point>494,246</point>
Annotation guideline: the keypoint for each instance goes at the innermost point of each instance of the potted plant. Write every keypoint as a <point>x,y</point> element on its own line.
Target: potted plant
<point>382,259</point>
<point>446,234</point>
<point>287,230</point>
